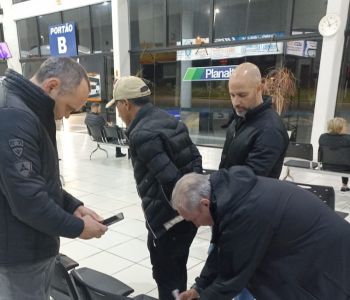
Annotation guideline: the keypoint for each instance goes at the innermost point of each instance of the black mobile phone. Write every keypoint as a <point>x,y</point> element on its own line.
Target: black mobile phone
<point>113,219</point>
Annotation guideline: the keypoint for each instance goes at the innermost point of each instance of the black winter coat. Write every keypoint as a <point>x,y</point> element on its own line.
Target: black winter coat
<point>259,140</point>
<point>275,238</point>
<point>161,152</point>
<point>34,209</point>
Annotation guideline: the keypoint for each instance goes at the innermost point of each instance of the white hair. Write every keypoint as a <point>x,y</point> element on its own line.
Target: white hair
<point>189,190</point>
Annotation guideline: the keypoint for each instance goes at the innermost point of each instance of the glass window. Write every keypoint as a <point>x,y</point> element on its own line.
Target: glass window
<point>343,99</point>
<point>305,67</point>
<point>229,19</point>
<point>3,67</point>
<point>28,37</point>
<point>81,17</point>
<point>267,16</point>
<point>2,38</point>
<point>30,67</point>
<point>240,18</point>
<point>44,22</point>
<point>101,19</point>
<point>147,24</point>
<point>187,20</point>
<point>307,14</point>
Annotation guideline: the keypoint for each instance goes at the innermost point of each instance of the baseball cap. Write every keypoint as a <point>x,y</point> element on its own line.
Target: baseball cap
<point>129,87</point>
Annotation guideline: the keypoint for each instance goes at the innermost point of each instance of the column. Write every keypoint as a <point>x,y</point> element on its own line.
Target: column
<point>328,80</point>
<point>121,39</point>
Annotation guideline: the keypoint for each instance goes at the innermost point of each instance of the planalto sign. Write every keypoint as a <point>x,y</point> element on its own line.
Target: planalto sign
<point>209,73</point>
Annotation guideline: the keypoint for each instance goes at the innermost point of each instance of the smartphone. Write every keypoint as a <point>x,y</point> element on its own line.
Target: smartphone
<point>113,219</point>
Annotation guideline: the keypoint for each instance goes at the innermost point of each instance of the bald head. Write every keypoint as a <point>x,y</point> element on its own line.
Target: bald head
<point>245,88</point>
<point>248,73</point>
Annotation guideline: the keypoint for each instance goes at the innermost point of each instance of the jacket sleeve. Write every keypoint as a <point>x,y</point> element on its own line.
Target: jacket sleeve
<point>197,159</point>
<point>151,150</point>
<point>266,151</point>
<point>21,182</point>
<point>242,247</point>
<point>70,203</point>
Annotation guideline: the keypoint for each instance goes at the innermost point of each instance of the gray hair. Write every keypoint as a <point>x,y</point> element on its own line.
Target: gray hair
<point>68,71</point>
<point>189,190</point>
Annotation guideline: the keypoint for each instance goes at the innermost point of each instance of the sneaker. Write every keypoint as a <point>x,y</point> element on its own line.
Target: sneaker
<point>120,155</point>
<point>344,189</point>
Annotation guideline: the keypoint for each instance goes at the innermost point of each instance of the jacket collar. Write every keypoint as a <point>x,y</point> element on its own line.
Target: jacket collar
<point>229,189</point>
<point>140,115</point>
<point>267,104</point>
<point>41,104</point>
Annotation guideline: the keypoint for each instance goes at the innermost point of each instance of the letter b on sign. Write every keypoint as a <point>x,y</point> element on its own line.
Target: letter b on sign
<point>62,44</point>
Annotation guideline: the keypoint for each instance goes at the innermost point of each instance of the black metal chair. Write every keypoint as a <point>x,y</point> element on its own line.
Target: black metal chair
<point>299,155</point>
<point>334,158</point>
<point>96,135</point>
<point>86,284</point>
<point>324,193</point>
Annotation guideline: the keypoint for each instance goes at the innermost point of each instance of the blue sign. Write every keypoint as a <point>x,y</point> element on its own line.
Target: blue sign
<point>209,73</point>
<point>62,40</point>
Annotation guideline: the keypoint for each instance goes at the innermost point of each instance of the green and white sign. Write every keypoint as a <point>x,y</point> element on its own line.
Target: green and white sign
<point>209,73</point>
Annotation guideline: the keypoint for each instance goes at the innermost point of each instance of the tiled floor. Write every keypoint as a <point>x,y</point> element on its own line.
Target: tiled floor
<point>107,185</point>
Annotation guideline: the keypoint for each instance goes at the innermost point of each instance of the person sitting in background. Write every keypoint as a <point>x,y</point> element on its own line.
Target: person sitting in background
<point>337,137</point>
<point>93,118</point>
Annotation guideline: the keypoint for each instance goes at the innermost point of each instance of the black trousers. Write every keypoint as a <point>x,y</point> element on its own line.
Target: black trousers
<point>169,256</point>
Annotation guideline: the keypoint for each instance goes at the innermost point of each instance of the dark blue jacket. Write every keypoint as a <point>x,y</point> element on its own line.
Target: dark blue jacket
<point>34,209</point>
<point>259,140</point>
<point>161,152</point>
<point>275,238</point>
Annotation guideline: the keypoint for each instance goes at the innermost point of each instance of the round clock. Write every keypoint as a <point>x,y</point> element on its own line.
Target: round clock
<point>329,25</point>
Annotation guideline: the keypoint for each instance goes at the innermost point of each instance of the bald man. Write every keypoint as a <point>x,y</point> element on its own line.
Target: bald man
<point>257,137</point>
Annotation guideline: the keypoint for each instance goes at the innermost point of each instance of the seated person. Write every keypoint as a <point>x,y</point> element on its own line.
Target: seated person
<point>337,137</point>
<point>93,118</point>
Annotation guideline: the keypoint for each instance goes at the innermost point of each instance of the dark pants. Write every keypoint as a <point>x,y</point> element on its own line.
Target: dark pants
<point>169,256</point>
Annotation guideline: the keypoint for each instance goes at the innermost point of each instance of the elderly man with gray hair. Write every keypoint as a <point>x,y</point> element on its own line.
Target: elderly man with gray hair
<point>291,246</point>
<point>35,210</point>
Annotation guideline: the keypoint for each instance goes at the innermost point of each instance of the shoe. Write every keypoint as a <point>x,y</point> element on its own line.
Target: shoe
<point>344,189</point>
<point>120,155</point>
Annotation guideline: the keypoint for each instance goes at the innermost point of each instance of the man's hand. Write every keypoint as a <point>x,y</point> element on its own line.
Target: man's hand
<point>189,295</point>
<point>92,228</point>
<point>83,211</point>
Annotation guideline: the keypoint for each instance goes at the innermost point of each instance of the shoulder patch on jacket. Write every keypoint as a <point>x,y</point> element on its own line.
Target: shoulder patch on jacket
<point>16,146</point>
<point>24,168</point>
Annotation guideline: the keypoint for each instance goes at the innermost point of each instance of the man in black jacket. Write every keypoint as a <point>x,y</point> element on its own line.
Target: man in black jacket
<point>161,153</point>
<point>94,119</point>
<point>276,239</point>
<point>34,208</point>
<point>257,137</point>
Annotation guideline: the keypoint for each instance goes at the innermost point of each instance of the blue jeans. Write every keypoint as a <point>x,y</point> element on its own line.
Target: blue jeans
<point>244,295</point>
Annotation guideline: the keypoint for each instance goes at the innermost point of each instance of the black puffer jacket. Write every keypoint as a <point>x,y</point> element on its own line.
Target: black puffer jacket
<point>161,152</point>
<point>274,238</point>
<point>34,209</point>
<point>259,140</point>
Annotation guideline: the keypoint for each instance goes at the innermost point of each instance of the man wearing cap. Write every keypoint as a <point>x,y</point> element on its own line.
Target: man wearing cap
<point>161,152</point>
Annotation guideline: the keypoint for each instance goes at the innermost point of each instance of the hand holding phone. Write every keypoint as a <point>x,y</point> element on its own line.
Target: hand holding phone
<point>114,219</point>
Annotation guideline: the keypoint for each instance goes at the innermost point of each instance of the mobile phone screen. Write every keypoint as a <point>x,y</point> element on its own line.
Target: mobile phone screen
<point>113,219</point>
